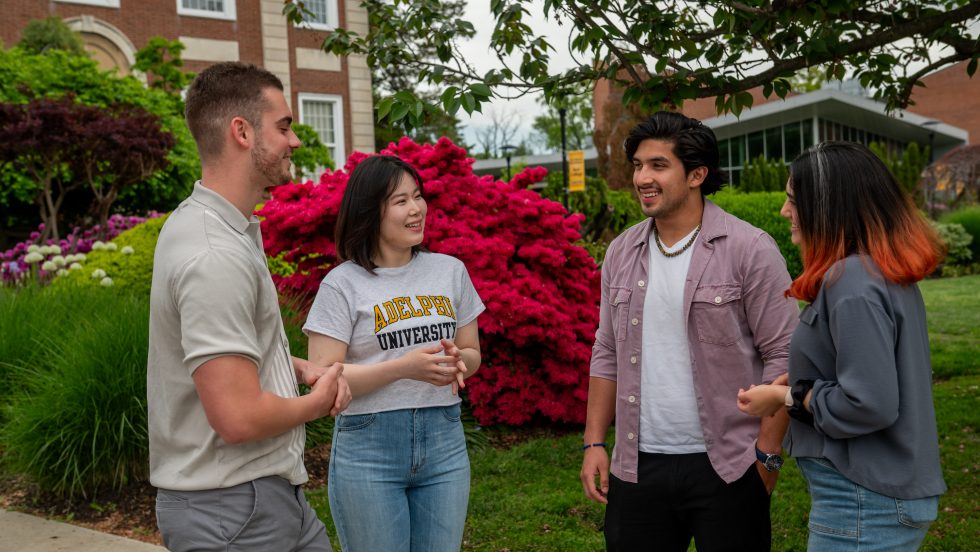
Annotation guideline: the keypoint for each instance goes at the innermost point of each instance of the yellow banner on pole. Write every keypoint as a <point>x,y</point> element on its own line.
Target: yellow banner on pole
<point>576,171</point>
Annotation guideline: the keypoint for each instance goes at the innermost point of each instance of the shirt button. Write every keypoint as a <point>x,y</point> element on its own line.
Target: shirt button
<point>632,399</point>
<point>630,436</point>
<point>641,283</point>
<point>632,360</point>
<point>717,299</point>
<point>635,321</point>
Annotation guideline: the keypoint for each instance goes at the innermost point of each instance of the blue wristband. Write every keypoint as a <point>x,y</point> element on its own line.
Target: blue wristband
<point>590,445</point>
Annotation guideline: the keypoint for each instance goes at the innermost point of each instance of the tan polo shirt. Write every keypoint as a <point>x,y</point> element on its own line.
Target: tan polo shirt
<point>212,295</point>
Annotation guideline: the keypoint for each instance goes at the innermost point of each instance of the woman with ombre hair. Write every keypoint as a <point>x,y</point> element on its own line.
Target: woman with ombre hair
<point>863,428</point>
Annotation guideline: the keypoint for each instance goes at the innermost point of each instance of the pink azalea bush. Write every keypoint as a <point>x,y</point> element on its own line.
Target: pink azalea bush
<point>15,269</point>
<point>540,289</point>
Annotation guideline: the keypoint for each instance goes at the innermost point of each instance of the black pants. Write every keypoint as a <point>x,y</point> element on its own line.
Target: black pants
<point>679,496</point>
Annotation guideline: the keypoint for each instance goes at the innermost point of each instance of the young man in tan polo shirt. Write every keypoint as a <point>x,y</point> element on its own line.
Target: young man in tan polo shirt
<point>226,421</point>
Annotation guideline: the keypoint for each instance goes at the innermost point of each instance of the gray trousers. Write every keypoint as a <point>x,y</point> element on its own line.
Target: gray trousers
<point>266,514</point>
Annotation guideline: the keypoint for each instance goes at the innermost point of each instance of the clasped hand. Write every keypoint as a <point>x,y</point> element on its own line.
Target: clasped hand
<point>438,365</point>
<point>764,400</point>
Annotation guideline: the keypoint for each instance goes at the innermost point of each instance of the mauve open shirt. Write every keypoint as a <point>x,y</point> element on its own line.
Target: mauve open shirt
<point>739,324</point>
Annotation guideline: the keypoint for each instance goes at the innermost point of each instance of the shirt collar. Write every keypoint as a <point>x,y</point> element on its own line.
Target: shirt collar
<point>221,207</point>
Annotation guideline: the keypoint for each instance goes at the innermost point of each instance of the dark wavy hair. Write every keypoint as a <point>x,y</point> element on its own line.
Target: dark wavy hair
<point>694,144</point>
<point>369,186</point>
<point>847,202</point>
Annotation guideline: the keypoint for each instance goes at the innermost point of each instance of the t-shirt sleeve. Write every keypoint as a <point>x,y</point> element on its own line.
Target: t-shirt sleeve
<point>470,304</point>
<point>331,314</point>
<point>216,294</point>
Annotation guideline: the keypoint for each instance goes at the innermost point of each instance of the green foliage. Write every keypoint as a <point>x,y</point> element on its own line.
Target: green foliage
<point>957,242</point>
<point>578,121</point>
<point>763,175</point>
<point>43,35</point>
<point>161,60</point>
<point>607,212</point>
<point>657,53</point>
<point>969,219</point>
<point>23,325</point>
<point>808,80</point>
<point>313,156</point>
<point>761,209</point>
<point>907,167</point>
<point>77,422</point>
<point>130,273</point>
<point>24,75</point>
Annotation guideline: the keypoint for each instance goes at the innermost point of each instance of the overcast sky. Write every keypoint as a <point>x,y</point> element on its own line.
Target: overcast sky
<point>478,52</point>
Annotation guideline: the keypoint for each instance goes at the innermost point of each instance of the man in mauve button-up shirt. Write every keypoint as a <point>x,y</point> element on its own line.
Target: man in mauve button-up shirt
<point>712,482</point>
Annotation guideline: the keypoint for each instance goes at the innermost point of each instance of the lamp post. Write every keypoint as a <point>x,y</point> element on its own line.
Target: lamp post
<point>564,154</point>
<point>928,182</point>
<point>506,149</point>
<point>932,137</point>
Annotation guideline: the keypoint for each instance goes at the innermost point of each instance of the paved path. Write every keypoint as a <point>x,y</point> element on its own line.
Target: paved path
<point>26,533</point>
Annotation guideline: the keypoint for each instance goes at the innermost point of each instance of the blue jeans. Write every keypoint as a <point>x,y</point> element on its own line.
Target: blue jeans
<point>845,516</point>
<point>400,480</point>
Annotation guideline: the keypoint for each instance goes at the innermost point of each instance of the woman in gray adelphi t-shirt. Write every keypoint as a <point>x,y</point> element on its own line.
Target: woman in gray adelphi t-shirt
<point>864,428</point>
<point>403,322</point>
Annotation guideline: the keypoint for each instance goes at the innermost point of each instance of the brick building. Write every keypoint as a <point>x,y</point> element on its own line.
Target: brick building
<point>331,94</point>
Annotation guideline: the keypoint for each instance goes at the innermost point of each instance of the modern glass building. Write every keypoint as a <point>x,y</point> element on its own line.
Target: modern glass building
<point>783,129</point>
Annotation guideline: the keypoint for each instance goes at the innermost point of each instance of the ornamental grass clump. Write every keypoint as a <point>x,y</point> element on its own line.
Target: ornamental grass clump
<point>541,290</point>
<point>76,414</point>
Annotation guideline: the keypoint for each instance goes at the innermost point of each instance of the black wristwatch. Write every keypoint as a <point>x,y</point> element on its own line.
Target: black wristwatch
<point>772,462</point>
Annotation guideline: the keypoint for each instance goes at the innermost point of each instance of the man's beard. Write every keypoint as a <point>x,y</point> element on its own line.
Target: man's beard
<point>269,165</point>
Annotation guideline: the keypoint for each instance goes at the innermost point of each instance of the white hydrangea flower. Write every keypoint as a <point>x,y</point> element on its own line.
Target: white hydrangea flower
<point>80,257</point>
<point>54,250</point>
<point>75,266</point>
<point>59,260</point>
<point>98,246</point>
<point>106,282</point>
<point>34,248</point>
<point>128,250</point>
<point>61,272</point>
<point>49,266</point>
<point>111,246</point>
<point>33,257</point>
<point>98,273</point>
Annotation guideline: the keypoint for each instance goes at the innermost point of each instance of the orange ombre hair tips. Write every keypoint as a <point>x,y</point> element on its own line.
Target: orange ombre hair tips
<point>847,203</point>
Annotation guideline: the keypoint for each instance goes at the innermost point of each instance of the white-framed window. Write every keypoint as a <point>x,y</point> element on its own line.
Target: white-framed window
<point>102,3</point>
<point>324,16</point>
<point>215,9</point>
<point>325,113</point>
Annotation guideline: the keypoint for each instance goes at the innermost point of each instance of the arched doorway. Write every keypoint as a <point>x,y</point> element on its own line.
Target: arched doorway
<point>109,47</point>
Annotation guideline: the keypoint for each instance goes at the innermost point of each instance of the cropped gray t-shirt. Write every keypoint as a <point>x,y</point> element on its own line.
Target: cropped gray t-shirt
<point>864,341</point>
<point>383,316</point>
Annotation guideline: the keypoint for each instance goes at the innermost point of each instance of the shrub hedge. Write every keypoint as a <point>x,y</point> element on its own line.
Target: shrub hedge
<point>969,219</point>
<point>130,273</point>
<point>761,209</point>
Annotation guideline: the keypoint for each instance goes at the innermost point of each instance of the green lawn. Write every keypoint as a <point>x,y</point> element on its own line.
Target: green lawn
<point>528,497</point>
<point>953,311</point>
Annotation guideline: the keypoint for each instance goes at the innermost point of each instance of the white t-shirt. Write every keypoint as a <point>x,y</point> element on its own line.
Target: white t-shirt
<point>669,422</point>
<point>383,316</point>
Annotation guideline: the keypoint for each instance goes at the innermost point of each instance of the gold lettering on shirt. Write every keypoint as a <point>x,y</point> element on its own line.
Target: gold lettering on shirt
<point>404,308</point>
